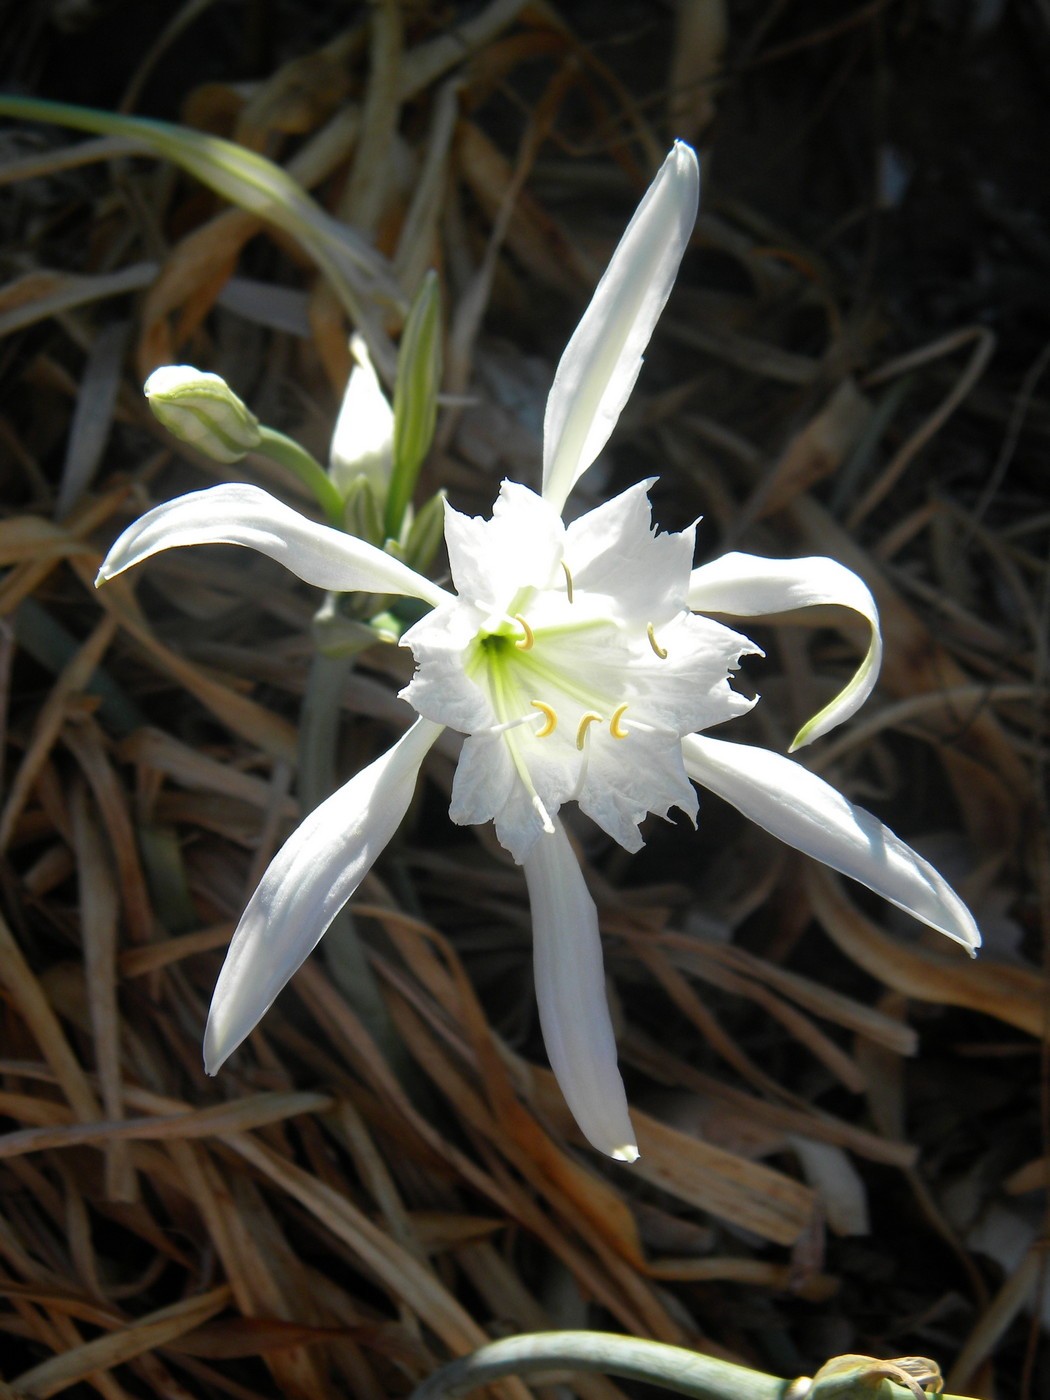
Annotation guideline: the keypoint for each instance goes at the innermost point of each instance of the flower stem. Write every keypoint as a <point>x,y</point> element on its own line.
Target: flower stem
<point>288,453</point>
<point>674,1368</point>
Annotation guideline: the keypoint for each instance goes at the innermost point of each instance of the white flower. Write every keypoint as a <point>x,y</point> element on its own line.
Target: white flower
<point>572,658</point>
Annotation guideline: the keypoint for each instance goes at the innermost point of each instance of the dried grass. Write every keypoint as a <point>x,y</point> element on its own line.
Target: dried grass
<point>323,1219</point>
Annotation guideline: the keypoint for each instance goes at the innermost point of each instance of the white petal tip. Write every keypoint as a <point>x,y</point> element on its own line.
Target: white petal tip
<point>100,578</point>
<point>814,729</point>
<point>685,156</point>
<point>625,1154</point>
<point>970,939</point>
<point>213,1060</point>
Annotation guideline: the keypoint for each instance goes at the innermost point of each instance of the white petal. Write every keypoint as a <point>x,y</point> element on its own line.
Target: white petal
<point>615,545</point>
<point>306,884</point>
<point>363,438</point>
<point>628,779</point>
<point>794,804</point>
<point>570,990</point>
<point>747,585</point>
<point>519,547</point>
<point>246,515</point>
<point>441,689</point>
<point>602,360</point>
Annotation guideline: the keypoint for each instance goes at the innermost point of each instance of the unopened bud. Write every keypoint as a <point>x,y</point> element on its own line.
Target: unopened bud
<point>363,440</point>
<point>201,409</point>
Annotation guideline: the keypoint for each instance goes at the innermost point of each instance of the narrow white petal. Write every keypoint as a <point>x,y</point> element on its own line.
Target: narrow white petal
<point>306,884</point>
<point>801,809</point>
<point>246,515</point>
<point>747,585</point>
<point>602,360</point>
<point>570,990</point>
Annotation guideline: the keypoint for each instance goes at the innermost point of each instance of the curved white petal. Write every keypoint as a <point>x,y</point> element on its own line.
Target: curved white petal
<point>804,811</point>
<point>249,516</point>
<point>747,585</point>
<point>306,884</point>
<point>570,990</point>
<point>602,360</point>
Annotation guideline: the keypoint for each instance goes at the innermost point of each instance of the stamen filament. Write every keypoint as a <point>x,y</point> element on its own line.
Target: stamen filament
<point>521,767</point>
<point>616,729</point>
<point>550,719</point>
<point>581,734</point>
<point>568,582</point>
<point>513,724</point>
<point>660,651</point>
<point>527,642</point>
<point>544,815</point>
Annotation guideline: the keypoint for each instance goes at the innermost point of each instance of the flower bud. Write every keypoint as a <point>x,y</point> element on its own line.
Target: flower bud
<point>363,440</point>
<point>201,409</point>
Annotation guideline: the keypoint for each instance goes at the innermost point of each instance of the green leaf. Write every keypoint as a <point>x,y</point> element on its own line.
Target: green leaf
<point>419,369</point>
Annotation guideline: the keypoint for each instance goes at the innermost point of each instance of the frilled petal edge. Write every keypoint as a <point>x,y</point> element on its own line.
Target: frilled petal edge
<point>801,809</point>
<point>602,360</point>
<point>306,884</point>
<point>570,992</point>
<point>748,585</point>
<point>246,515</point>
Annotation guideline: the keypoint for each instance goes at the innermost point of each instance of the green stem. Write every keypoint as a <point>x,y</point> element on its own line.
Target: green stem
<point>673,1368</point>
<point>685,1372</point>
<point>319,728</point>
<point>289,454</point>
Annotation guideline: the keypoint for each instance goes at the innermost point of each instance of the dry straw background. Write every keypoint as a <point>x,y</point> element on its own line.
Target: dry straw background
<point>842,1123</point>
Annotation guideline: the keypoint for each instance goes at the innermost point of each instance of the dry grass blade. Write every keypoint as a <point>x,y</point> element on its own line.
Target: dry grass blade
<point>98,931</point>
<point>403,1275</point>
<point>69,685</point>
<point>37,295</point>
<point>984,345</point>
<point>154,1330</point>
<point>260,726</point>
<point>235,1116</point>
<point>748,1194</point>
<point>1015,995</point>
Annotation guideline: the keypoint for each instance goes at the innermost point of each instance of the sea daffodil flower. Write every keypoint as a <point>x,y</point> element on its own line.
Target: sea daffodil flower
<point>574,660</point>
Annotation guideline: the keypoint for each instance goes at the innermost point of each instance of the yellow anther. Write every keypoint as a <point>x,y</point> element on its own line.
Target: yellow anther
<point>616,729</point>
<point>568,582</point>
<point>527,642</point>
<point>550,719</point>
<point>660,651</point>
<point>589,718</point>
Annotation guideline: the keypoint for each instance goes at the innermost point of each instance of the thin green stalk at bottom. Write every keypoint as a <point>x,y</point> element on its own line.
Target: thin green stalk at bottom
<point>295,458</point>
<point>685,1372</point>
<point>675,1369</point>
